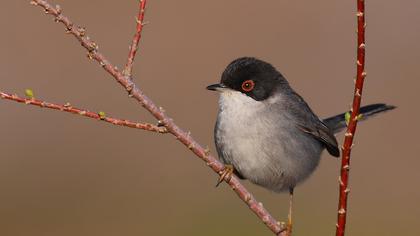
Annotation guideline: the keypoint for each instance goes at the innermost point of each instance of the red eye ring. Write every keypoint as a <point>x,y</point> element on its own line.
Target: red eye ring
<point>248,85</point>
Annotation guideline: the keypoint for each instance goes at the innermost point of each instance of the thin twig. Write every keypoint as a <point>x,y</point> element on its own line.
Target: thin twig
<point>83,112</point>
<point>351,128</point>
<point>136,39</point>
<point>158,113</point>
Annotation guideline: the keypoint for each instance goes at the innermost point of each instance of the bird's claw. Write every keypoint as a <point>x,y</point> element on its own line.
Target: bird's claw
<point>226,174</point>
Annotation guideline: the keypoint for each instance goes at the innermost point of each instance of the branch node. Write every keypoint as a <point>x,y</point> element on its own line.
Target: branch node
<point>69,28</point>
<point>81,31</point>
<point>364,74</point>
<point>340,181</point>
<point>207,151</point>
<point>248,198</point>
<point>67,105</point>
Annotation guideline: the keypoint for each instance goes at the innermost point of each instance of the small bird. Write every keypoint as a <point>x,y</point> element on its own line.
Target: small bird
<point>266,133</point>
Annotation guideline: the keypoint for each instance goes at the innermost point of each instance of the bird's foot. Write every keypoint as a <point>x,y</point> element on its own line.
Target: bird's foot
<point>226,173</point>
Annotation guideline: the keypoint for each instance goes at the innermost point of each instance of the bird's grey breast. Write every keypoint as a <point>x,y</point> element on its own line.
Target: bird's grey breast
<point>260,140</point>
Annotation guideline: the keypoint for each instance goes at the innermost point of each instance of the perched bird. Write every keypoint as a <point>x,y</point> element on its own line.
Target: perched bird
<point>266,133</point>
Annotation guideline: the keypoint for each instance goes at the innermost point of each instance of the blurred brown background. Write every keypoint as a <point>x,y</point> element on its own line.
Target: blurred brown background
<point>67,175</point>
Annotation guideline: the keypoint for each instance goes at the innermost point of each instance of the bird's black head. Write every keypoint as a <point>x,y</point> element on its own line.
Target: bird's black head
<point>252,77</point>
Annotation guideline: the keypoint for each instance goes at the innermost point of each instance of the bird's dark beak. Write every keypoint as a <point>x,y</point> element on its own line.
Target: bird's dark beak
<point>216,87</point>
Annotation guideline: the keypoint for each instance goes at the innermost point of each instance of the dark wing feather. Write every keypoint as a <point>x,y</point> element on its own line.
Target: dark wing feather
<point>309,123</point>
<point>323,134</point>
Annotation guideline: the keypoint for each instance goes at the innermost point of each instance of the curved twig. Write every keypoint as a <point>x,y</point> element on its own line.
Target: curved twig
<point>136,39</point>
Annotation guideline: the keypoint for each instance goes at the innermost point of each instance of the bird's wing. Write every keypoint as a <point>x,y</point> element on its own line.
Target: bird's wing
<point>323,134</point>
<point>309,123</point>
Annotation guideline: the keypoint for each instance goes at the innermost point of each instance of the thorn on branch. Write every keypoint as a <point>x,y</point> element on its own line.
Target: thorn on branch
<point>58,9</point>
<point>357,93</point>
<point>67,105</point>
<point>340,181</point>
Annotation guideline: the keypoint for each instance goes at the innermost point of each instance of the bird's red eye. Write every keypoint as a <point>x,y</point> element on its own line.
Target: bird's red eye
<point>248,85</point>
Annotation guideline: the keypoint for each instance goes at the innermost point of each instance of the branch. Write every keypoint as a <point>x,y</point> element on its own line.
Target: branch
<point>136,39</point>
<point>83,112</point>
<point>184,137</point>
<point>351,128</point>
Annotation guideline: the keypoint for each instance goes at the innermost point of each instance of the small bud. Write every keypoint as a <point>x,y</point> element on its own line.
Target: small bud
<point>101,115</point>
<point>347,117</point>
<point>29,93</point>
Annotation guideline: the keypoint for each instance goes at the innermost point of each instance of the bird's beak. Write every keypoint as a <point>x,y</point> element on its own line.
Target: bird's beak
<point>216,87</point>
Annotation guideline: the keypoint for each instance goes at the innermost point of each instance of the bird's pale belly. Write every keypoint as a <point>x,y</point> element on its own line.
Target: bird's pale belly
<point>278,168</point>
<point>278,161</point>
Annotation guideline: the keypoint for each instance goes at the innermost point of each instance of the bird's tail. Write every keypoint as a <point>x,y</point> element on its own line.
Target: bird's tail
<point>338,122</point>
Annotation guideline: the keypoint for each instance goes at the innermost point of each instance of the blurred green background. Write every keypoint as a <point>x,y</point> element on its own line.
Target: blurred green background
<point>67,175</point>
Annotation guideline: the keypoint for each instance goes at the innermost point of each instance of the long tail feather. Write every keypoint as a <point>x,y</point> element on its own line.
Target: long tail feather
<point>338,122</point>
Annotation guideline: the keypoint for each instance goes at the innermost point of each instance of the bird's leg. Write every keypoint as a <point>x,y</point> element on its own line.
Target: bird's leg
<point>289,217</point>
<point>226,173</point>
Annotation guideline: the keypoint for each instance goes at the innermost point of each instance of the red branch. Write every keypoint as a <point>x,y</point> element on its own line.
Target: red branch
<point>136,39</point>
<point>184,137</point>
<point>351,128</point>
<point>97,116</point>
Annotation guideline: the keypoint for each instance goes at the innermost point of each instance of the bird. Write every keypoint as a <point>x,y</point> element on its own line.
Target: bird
<point>266,133</point>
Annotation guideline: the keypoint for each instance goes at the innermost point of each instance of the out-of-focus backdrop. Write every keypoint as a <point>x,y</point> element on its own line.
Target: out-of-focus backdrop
<point>66,175</point>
